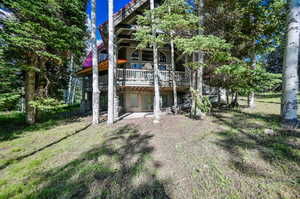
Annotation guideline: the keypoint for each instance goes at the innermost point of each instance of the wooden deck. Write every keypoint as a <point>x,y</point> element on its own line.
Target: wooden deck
<point>143,79</point>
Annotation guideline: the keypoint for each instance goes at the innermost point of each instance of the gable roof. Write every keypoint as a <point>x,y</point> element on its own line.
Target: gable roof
<point>88,62</point>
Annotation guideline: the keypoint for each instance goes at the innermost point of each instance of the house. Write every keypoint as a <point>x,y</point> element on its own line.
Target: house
<point>134,73</point>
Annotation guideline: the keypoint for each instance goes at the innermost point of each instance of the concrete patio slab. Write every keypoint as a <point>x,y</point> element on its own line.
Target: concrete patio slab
<point>130,116</point>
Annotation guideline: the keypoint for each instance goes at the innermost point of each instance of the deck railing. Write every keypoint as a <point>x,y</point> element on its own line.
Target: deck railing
<point>139,77</point>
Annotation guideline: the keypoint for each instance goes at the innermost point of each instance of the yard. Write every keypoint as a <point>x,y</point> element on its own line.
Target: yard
<point>230,154</point>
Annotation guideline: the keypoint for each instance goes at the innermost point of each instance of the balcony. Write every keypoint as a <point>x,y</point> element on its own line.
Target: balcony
<point>143,78</point>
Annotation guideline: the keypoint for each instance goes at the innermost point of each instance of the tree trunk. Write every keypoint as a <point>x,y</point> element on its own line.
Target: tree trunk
<point>116,96</point>
<point>290,66</point>
<point>156,74</point>
<point>30,96</point>
<point>199,86</point>
<point>251,97</point>
<point>96,92</point>
<point>174,77</point>
<point>23,101</point>
<point>76,81</point>
<point>70,80</point>
<point>227,97</point>
<point>235,102</point>
<point>200,53</point>
<point>222,96</point>
<point>111,52</point>
<point>175,104</point>
<point>192,89</point>
<point>251,100</point>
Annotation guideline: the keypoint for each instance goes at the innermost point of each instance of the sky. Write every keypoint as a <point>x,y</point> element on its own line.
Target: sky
<point>102,11</point>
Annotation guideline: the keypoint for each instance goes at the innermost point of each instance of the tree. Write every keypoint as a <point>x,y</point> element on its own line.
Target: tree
<point>38,40</point>
<point>96,92</point>
<point>242,79</point>
<point>111,51</point>
<point>156,71</point>
<point>173,20</point>
<point>10,84</point>
<point>290,72</point>
<point>214,49</point>
<point>199,85</point>
<point>175,105</point>
<point>251,96</point>
<point>254,27</point>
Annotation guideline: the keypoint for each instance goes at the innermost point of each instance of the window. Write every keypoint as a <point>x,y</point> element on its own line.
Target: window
<point>102,56</point>
<point>162,57</point>
<point>147,56</point>
<point>135,55</point>
<point>133,100</point>
<point>162,67</point>
<point>103,102</point>
<point>148,102</point>
<point>164,101</point>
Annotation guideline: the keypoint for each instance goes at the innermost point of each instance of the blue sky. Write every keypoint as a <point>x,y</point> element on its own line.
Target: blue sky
<point>102,10</point>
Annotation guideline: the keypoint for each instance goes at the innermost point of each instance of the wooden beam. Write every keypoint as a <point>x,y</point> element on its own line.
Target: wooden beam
<point>127,11</point>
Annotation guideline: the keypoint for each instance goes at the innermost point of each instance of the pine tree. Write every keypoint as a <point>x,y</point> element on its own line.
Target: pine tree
<point>252,27</point>
<point>173,20</point>
<point>40,38</point>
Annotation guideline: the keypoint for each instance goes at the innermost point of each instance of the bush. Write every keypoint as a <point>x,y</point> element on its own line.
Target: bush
<point>9,101</point>
<point>49,105</point>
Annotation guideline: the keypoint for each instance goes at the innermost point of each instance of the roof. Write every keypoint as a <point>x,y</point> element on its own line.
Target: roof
<point>88,62</point>
<point>102,66</point>
<point>119,16</point>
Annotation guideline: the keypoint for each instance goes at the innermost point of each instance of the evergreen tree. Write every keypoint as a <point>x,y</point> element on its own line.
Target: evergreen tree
<point>173,20</point>
<point>253,27</point>
<point>42,35</point>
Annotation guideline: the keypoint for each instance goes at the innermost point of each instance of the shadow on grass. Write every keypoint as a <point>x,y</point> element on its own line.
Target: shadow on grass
<point>270,95</point>
<point>279,148</point>
<point>268,102</point>
<point>12,125</point>
<point>14,160</point>
<point>121,167</point>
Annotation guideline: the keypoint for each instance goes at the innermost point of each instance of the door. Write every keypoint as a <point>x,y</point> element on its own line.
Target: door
<point>132,103</point>
<point>147,102</point>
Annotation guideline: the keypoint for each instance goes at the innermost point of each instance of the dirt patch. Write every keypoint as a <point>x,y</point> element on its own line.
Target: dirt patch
<point>201,164</point>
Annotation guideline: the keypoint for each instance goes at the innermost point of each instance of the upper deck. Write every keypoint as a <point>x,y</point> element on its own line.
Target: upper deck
<point>142,78</point>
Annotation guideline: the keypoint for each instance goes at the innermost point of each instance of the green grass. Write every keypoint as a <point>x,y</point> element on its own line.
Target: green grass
<point>228,155</point>
<point>12,124</point>
<point>71,167</point>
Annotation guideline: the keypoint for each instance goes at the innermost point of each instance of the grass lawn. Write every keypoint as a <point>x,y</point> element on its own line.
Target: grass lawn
<point>231,154</point>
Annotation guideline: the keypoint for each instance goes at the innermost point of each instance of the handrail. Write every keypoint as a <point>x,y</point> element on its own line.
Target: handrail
<point>130,69</point>
<point>142,77</point>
